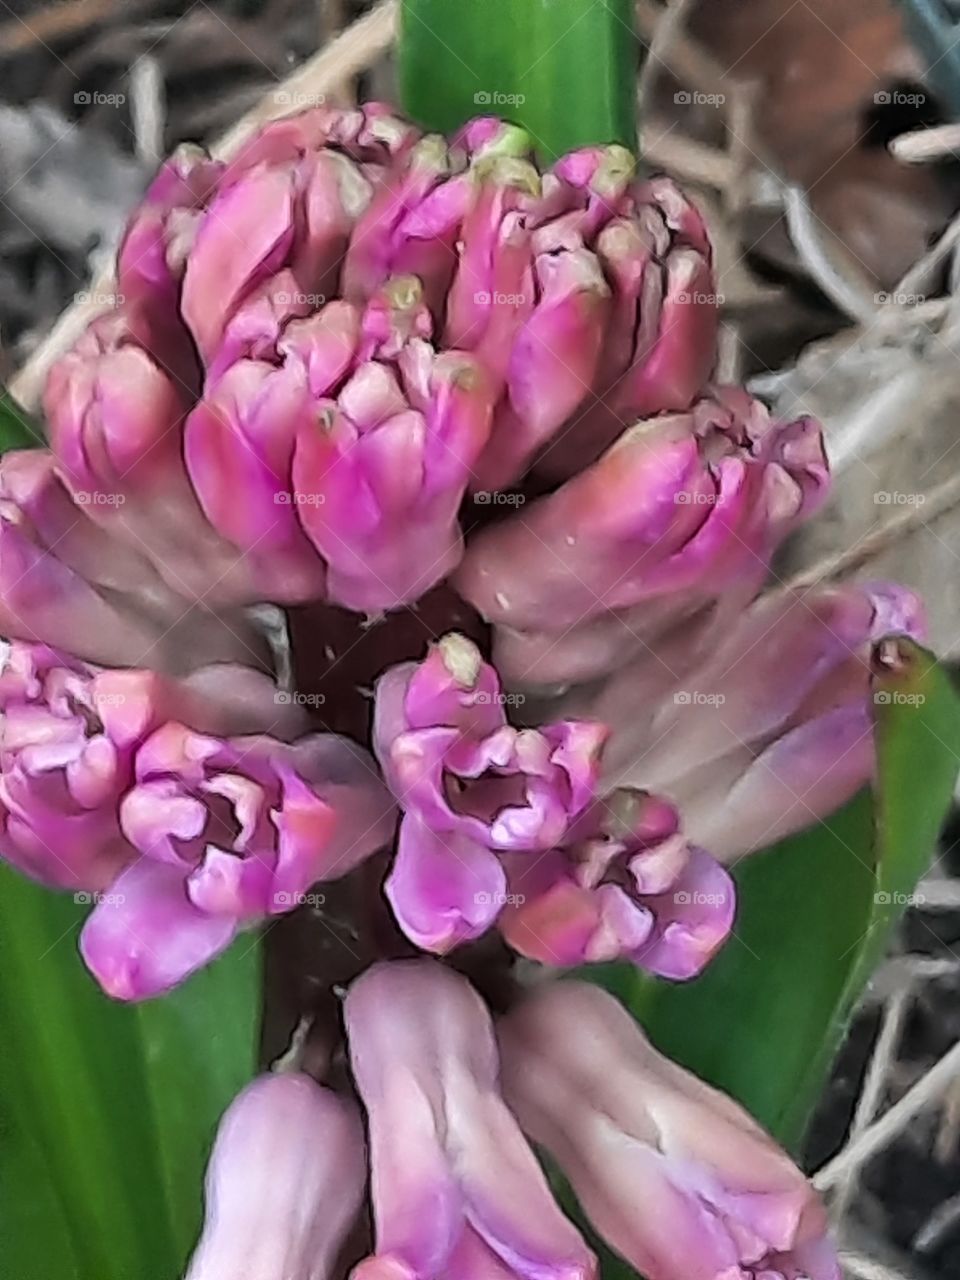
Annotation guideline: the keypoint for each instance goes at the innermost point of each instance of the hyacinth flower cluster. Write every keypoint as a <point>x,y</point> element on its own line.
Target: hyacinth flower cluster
<point>453,413</point>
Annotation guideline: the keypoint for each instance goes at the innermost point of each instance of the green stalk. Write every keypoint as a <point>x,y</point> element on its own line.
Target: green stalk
<point>566,70</point>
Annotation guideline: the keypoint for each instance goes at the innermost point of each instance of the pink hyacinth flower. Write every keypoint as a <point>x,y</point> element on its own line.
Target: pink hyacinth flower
<point>457,1193</point>
<point>284,1183</point>
<point>230,830</point>
<point>675,1176</point>
<point>472,788</point>
<point>632,887</point>
<point>68,737</point>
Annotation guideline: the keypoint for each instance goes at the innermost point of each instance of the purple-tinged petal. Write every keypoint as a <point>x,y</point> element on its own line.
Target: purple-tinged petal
<point>284,1183</point>
<point>145,936</point>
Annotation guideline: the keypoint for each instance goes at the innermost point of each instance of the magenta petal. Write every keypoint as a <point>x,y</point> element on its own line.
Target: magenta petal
<point>146,936</point>
<point>444,888</point>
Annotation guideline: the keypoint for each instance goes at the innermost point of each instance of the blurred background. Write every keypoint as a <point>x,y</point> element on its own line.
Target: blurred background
<point>822,140</point>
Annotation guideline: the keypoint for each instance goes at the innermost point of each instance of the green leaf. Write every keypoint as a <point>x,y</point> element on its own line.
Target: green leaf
<point>814,918</point>
<point>108,1110</point>
<point>566,70</point>
<point>18,429</point>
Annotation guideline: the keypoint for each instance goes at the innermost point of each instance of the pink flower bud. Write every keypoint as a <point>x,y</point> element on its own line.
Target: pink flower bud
<point>380,483</point>
<point>455,1189</point>
<point>284,1183</point>
<point>770,729</point>
<point>671,1173</point>
<point>681,509</point>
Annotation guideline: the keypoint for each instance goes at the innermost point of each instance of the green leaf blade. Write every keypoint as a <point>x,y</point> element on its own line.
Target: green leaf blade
<point>563,69</point>
<point>110,1107</point>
